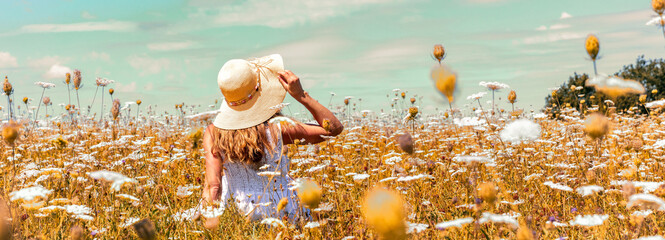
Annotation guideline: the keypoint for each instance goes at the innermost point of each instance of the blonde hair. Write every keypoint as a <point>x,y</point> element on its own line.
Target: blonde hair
<point>247,145</point>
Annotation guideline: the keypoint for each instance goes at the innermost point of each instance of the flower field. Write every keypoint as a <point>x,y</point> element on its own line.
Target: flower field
<point>466,178</point>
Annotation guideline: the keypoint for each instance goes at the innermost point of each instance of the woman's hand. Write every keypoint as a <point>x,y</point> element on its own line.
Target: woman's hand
<point>291,83</point>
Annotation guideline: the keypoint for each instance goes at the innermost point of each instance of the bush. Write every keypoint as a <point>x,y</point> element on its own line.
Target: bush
<point>651,73</point>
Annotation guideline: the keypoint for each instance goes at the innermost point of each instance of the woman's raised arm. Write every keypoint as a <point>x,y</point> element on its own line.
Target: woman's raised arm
<point>310,132</point>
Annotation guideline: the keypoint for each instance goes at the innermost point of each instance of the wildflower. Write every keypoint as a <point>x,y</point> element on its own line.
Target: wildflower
<point>7,87</point>
<point>405,142</point>
<point>589,220</point>
<point>383,210</point>
<point>111,91</point>
<point>59,142</point>
<point>615,86</point>
<point>195,137</point>
<point>412,100</point>
<point>45,85</point>
<point>68,78</point>
<point>145,229</point>
<point>512,96</point>
<point>642,98</point>
<point>46,100</point>
<point>494,85</point>
<point>309,193</point>
<point>413,111</point>
<point>596,126</point>
<point>655,91</point>
<point>102,82</point>
<point>282,204</point>
<point>647,201</point>
<point>76,233</point>
<point>520,130</point>
<point>77,79</point>
<point>115,110</point>
<point>476,96</point>
<point>25,100</point>
<point>592,46</point>
<point>454,223</point>
<point>658,6</point>
<point>138,102</point>
<point>487,191</point>
<point>10,132</point>
<point>445,81</point>
<point>524,233</point>
<point>439,52</point>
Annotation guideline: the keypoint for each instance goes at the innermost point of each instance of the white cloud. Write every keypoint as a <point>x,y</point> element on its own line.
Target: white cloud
<point>46,62</point>
<point>126,87</point>
<point>148,86</point>
<point>57,71</point>
<point>282,14</point>
<point>541,28</point>
<point>169,46</point>
<point>111,25</point>
<point>148,65</point>
<point>553,37</point>
<point>565,15</point>
<point>7,60</point>
<point>87,15</point>
<point>559,26</point>
<point>99,56</point>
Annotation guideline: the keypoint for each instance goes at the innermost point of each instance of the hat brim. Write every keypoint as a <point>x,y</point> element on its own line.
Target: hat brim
<point>263,104</point>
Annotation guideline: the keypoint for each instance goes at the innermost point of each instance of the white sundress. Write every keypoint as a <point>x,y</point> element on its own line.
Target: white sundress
<point>245,184</point>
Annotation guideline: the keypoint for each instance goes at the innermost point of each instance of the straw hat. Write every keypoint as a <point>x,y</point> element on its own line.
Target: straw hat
<point>251,90</point>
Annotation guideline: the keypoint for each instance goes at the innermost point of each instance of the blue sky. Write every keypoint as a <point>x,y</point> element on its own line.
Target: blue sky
<point>170,51</point>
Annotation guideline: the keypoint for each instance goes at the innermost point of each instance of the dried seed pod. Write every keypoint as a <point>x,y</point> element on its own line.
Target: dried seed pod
<point>405,142</point>
<point>512,96</point>
<point>7,87</point>
<point>439,52</point>
<point>145,229</point>
<point>115,110</point>
<point>77,79</point>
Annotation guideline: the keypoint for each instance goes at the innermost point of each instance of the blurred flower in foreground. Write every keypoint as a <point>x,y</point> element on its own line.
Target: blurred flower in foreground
<point>309,193</point>
<point>596,125</point>
<point>520,130</point>
<point>383,210</point>
<point>615,86</point>
<point>445,80</point>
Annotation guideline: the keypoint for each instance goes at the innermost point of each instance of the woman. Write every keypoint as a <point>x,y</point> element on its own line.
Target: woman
<point>243,146</point>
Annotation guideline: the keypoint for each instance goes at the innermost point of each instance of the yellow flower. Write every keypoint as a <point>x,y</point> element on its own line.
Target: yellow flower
<point>487,191</point>
<point>445,81</point>
<point>658,6</point>
<point>592,46</point>
<point>384,211</point>
<point>596,125</point>
<point>309,193</point>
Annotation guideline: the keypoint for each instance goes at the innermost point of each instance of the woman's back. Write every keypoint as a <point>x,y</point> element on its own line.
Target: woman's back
<point>258,189</point>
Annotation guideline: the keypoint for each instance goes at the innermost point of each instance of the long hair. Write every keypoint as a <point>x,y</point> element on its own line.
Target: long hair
<point>247,145</point>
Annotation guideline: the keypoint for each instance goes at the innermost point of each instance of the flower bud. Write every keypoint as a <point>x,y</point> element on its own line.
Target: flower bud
<point>592,46</point>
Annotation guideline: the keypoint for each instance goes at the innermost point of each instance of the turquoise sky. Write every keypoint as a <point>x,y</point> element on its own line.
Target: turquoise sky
<point>170,51</point>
